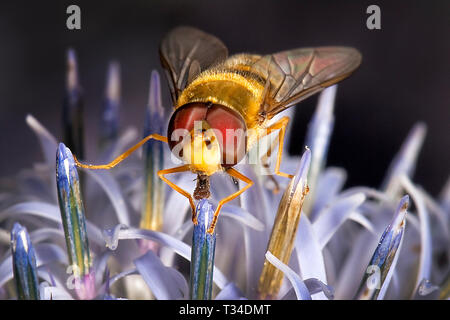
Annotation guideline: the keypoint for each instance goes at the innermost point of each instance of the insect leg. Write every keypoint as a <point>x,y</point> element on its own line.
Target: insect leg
<point>123,156</point>
<point>235,174</point>
<point>184,168</point>
<point>279,125</point>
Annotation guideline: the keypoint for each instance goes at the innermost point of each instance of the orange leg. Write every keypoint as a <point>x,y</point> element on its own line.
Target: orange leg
<point>279,125</point>
<point>184,168</point>
<point>235,174</point>
<point>123,156</point>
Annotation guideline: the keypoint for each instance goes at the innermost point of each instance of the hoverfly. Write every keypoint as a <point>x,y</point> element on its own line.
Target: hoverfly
<point>242,92</point>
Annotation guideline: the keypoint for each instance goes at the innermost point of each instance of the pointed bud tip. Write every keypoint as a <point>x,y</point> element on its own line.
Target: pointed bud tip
<point>415,139</point>
<point>303,167</point>
<point>398,221</point>
<point>325,105</point>
<point>17,227</point>
<point>420,127</point>
<point>404,204</point>
<point>19,236</point>
<point>65,164</point>
<point>72,72</point>
<point>113,81</point>
<point>155,76</point>
<point>63,152</point>
<point>71,58</point>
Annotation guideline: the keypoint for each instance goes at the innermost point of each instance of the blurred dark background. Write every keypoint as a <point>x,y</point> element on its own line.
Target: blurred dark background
<point>404,77</point>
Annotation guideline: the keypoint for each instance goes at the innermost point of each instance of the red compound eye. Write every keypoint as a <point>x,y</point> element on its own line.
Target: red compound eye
<point>228,125</point>
<point>184,118</point>
<point>230,130</point>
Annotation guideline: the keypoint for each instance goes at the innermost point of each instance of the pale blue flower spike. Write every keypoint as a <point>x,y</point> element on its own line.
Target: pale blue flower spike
<point>404,162</point>
<point>318,137</point>
<point>24,264</point>
<point>381,267</point>
<point>202,255</point>
<point>73,108</point>
<point>154,187</point>
<point>73,220</point>
<point>110,116</point>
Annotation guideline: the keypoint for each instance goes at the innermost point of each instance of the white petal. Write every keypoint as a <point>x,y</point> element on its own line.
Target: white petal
<point>334,216</point>
<point>300,288</point>
<point>50,212</point>
<point>230,292</point>
<point>48,142</point>
<point>329,184</point>
<point>425,234</point>
<point>309,252</point>
<point>165,283</point>
<point>120,232</point>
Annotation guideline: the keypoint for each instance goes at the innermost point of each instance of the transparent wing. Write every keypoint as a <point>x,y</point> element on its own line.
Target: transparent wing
<point>185,52</point>
<point>294,75</point>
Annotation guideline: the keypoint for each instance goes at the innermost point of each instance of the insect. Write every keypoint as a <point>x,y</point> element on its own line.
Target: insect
<point>214,94</point>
